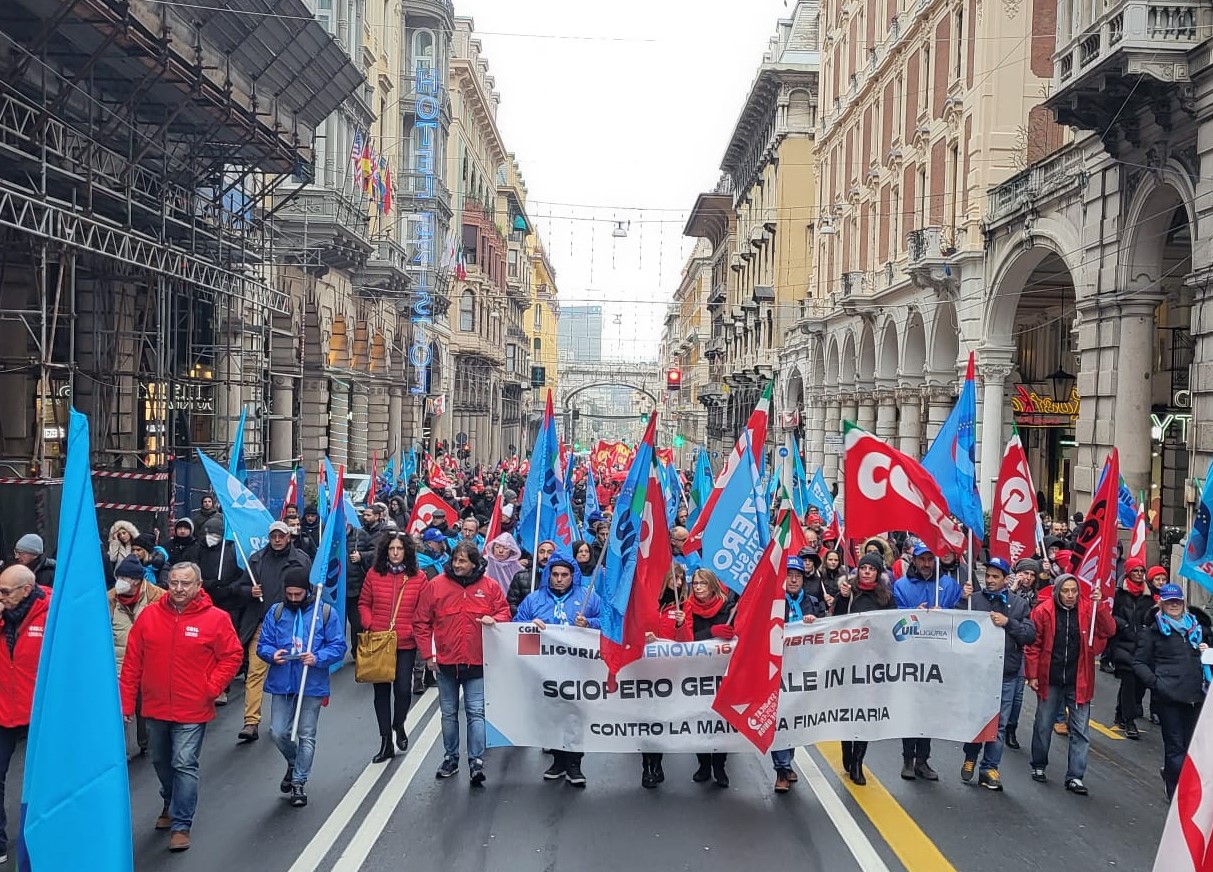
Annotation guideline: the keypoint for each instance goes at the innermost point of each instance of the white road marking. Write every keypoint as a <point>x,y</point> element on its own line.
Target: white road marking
<point>836,811</point>
<point>326,837</point>
<point>360,846</point>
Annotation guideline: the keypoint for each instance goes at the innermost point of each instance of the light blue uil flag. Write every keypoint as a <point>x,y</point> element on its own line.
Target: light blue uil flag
<point>248,520</point>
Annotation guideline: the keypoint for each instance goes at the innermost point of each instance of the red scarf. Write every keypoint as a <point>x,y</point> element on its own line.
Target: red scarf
<point>1137,588</point>
<point>704,610</point>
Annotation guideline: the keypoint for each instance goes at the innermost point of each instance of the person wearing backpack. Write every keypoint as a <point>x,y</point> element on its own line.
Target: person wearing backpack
<point>287,644</point>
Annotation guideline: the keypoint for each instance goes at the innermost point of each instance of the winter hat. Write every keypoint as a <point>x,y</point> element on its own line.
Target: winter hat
<point>184,522</point>
<point>130,567</point>
<point>1156,571</point>
<point>30,543</point>
<point>213,526</point>
<point>144,541</point>
<point>310,509</point>
<point>1170,592</point>
<point>432,535</point>
<point>872,560</point>
<point>1028,564</point>
<point>297,577</point>
<point>1134,563</point>
<point>439,515</point>
<point>810,556</point>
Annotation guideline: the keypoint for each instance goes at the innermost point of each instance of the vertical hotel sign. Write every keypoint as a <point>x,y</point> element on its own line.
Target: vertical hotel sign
<point>423,226</point>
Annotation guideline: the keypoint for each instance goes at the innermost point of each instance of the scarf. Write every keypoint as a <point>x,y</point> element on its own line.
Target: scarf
<point>395,569</point>
<point>1137,588</point>
<point>703,610</point>
<point>1187,626</point>
<point>795,607</point>
<point>15,615</point>
<point>867,585</point>
<point>559,615</point>
<point>1001,596</point>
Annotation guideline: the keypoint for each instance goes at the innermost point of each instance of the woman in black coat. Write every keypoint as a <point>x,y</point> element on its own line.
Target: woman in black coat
<point>867,595</point>
<point>1130,609</point>
<point>1168,662</point>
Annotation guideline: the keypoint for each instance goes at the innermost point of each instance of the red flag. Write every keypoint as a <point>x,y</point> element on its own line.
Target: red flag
<point>437,477</point>
<point>756,428</point>
<point>370,491</point>
<point>1013,515</point>
<point>1187,837</point>
<point>426,504</point>
<point>495,521</point>
<point>292,494</point>
<point>887,490</point>
<point>748,697</point>
<point>1137,545</point>
<point>1095,544</point>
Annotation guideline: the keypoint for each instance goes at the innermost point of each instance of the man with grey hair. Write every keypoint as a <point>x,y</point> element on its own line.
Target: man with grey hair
<point>181,653</point>
<point>23,607</point>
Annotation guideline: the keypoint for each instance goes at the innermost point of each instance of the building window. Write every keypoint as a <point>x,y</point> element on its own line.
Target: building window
<point>959,42</point>
<point>423,48</point>
<point>537,345</point>
<point>896,242</point>
<point>920,211</point>
<point>926,80</point>
<point>899,92</point>
<point>954,184</point>
<point>467,312</point>
<point>538,318</point>
<point>511,358</point>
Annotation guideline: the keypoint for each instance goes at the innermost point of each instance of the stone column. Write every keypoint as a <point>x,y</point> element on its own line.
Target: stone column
<point>815,433</point>
<point>909,426</point>
<point>314,420</point>
<point>940,396</point>
<point>994,368</point>
<point>396,439</point>
<point>360,454</point>
<point>886,415</point>
<point>339,421</point>
<point>282,424</point>
<point>831,454</point>
<point>867,411</point>
<point>377,418</point>
<point>1133,390</point>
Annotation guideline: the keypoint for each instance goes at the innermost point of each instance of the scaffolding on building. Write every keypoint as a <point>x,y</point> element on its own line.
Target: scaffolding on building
<point>140,163</point>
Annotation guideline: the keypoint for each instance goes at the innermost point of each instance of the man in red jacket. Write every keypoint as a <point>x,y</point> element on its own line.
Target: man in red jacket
<point>1060,667</point>
<point>447,625</point>
<point>181,654</point>
<point>23,607</point>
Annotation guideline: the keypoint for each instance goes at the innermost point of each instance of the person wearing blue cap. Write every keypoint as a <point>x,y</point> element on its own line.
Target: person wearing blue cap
<point>799,607</point>
<point>432,556</point>
<point>1168,662</point>
<point>923,587</point>
<point>1010,614</point>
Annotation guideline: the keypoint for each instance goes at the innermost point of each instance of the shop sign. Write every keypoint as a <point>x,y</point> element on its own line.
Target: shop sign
<point>1033,410</point>
<point>183,396</point>
<point>1176,422</point>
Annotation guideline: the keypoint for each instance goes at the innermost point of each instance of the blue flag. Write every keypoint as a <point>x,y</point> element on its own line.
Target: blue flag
<point>247,519</point>
<point>1198,554</point>
<point>235,463</point>
<point>671,490</point>
<point>75,801</point>
<point>800,486</point>
<point>1126,506</point>
<point>951,459</point>
<point>820,497</point>
<point>738,529</point>
<point>591,494</point>
<point>329,567</point>
<point>545,510</point>
<point>701,486</point>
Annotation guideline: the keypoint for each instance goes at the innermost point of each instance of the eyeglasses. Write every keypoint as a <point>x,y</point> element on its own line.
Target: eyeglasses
<point>176,584</point>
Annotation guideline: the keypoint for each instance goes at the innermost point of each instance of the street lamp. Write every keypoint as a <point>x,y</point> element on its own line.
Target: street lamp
<point>1063,384</point>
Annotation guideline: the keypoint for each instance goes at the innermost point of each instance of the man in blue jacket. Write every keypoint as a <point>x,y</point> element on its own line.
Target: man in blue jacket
<point>560,599</point>
<point>1011,614</point>
<point>919,589</point>
<point>285,645</point>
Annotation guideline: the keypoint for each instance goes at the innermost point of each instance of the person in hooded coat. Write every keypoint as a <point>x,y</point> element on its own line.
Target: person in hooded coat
<point>561,599</point>
<point>520,585</point>
<point>153,557</point>
<point>502,559</point>
<point>122,536</point>
<point>183,545</point>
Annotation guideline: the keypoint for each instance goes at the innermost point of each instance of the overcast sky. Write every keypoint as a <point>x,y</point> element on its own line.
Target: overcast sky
<point>629,125</point>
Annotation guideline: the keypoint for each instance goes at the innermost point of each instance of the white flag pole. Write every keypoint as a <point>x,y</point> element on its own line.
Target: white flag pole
<point>311,638</point>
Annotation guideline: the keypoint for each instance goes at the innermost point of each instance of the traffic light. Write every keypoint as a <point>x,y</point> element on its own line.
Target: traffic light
<point>673,379</point>
<point>678,441</point>
<point>644,417</point>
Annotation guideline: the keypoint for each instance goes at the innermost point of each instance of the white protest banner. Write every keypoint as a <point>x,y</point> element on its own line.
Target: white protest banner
<point>869,676</point>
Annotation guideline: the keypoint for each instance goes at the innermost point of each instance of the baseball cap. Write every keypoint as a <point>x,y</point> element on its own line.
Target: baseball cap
<point>999,564</point>
<point>1170,592</point>
<point>796,563</point>
<point>432,535</point>
<point>280,527</point>
<point>921,548</point>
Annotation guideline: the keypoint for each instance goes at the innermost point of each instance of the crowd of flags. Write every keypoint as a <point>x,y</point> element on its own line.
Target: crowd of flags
<point>372,172</point>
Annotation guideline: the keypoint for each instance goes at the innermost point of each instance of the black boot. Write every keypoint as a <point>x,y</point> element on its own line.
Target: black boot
<point>658,772</point>
<point>856,770</point>
<point>1011,740</point>
<point>848,756</point>
<point>647,778</point>
<point>704,772</point>
<point>402,739</point>
<point>721,777</point>
<point>386,751</point>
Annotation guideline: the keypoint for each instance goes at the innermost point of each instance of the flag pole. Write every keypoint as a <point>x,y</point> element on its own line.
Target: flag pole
<point>248,567</point>
<point>311,638</point>
<point>593,579</point>
<point>972,574</point>
<point>936,581</point>
<point>535,547</point>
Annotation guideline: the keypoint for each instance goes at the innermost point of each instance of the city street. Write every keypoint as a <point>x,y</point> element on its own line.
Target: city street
<point>398,816</point>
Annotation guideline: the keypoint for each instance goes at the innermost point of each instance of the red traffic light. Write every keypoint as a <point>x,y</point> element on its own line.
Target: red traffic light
<point>673,379</point>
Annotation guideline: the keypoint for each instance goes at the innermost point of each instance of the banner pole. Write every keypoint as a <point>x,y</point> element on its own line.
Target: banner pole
<point>593,579</point>
<point>972,574</point>
<point>311,638</point>
<point>936,581</point>
<point>248,567</point>
<point>535,547</point>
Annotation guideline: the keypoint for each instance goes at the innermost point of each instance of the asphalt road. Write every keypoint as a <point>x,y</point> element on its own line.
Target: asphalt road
<point>396,815</point>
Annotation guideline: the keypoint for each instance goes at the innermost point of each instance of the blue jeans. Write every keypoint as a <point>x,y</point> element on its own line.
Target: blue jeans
<point>782,759</point>
<point>10,737</point>
<point>992,756</point>
<point>298,754</point>
<point>175,749</point>
<point>1058,700</point>
<point>1017,703</point>
<point>473,708</point>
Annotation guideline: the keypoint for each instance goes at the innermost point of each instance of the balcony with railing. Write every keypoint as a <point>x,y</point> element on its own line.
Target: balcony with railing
<point>1132,51</point>
<point>327,226</point>
<point>1057,173</point>
<point>386,270</point>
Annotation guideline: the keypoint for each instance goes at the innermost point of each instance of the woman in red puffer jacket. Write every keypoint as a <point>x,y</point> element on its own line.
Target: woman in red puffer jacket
<point>388,602</point>
<point>705,614</point>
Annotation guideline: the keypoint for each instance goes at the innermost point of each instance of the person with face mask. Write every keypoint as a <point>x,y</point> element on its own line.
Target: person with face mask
<point>287,644</point>
<point>1168,661</point>
<point>1009,614</point>
<point>1060,667</point>
<point>129,596</point>
<point>520,585</point>
<point>863,593</point>
<point>561,599</point>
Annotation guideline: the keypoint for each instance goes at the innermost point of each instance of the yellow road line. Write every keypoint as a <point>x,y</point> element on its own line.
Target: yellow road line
<point>1107,731</point>
<point>912,846</point>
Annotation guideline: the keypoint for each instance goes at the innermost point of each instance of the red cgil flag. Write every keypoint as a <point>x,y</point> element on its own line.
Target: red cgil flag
<point>1013,515</point>
<point>748,697</point>
<point>424,506</point>
<point>1095,544</point>
<point>1137,545</point>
